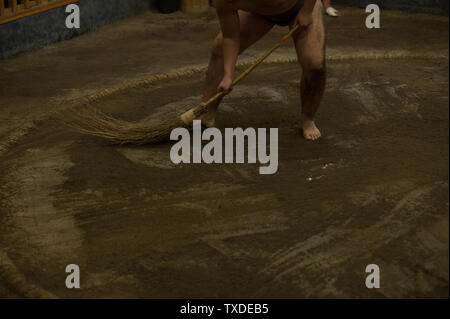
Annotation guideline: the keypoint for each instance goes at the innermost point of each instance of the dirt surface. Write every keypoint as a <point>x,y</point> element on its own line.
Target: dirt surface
<point>373,190</point>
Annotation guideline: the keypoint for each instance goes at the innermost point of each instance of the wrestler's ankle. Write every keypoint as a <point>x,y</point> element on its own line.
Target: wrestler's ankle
<point>307,118</point>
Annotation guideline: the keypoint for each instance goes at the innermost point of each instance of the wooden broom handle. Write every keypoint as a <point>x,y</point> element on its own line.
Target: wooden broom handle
<point>244,74</point>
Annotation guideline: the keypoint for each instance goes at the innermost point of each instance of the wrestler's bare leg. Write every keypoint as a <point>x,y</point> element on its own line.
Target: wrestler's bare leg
<point>310,45</point>
<point>253,28</point>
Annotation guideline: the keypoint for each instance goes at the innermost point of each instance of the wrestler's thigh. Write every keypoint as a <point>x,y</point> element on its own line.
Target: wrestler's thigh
<point>253,28</point>
<point>310,44</point>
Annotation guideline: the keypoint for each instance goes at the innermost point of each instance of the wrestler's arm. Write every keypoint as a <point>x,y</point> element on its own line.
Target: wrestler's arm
<point>229,22</point>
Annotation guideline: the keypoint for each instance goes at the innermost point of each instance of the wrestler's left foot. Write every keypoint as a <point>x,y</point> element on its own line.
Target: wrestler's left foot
<point>310,130</point>
<point>208,119</point>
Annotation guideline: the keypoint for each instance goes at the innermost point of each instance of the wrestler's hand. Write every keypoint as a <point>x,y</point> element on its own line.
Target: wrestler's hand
<point>226,86</point>
<point>304,19</point>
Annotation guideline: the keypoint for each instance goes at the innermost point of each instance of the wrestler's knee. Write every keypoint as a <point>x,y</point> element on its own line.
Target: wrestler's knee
<point>217,51</point>
<point>314,63</point>
<point>314,73</point>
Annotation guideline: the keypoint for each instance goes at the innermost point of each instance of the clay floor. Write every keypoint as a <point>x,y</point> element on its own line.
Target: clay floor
<point>373,190</point>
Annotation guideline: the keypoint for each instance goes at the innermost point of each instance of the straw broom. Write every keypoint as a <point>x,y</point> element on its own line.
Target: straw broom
<point>116,131</point>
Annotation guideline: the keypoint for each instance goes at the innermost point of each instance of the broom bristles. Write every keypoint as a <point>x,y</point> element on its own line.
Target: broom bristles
<point>91,121</point>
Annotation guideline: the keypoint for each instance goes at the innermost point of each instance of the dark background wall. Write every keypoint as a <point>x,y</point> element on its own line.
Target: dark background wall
<point>426,6</point>
<point>48,27</point>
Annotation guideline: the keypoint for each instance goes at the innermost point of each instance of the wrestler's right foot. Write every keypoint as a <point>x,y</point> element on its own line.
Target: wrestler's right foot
<point>310,130</point>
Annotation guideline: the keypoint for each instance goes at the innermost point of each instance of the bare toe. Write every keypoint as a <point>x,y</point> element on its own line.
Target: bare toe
<point>310,130</point>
